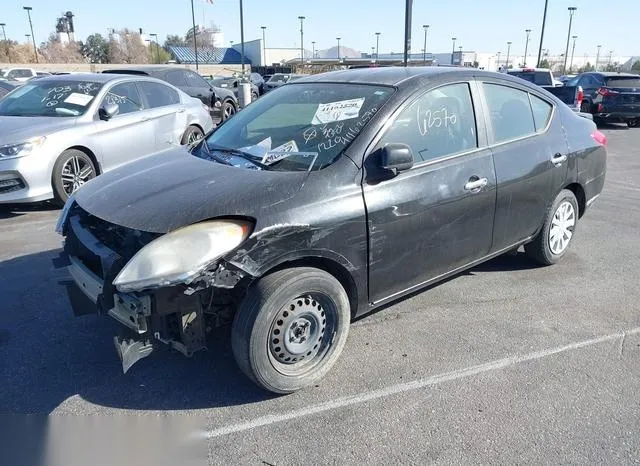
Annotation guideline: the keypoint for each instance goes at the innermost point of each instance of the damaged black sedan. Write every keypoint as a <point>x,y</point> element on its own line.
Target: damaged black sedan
<point>324,200</point>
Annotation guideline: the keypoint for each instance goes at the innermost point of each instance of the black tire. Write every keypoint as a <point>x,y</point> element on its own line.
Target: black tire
<point>541,249</point>
<point>192,134</point>
<point>633,123</point>
<point>585,107</point>
<point>274,310</point>
<point>64,180</point>
<point>228,110</point>
<point>254,96</point>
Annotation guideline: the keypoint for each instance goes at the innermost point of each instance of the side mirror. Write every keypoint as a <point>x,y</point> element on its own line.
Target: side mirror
<point>108,111</point>
<point>396,157</point>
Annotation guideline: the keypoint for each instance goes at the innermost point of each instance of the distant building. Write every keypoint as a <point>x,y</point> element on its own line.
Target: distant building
<point>208,56</point>
<point>65,28</point>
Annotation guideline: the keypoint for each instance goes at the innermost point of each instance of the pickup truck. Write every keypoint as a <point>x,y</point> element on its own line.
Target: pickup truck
<point>542,77</point>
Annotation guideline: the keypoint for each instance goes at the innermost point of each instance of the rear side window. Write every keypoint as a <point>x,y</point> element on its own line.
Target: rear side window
<point>125,96</point>
<point>195,80</point>
<point>158,95</point>
<point>509,111</point>
<point>540,78</point>
<point>176,78</point>
<point>541,112</point>
<point>439,123</point>
<point>623,81</point>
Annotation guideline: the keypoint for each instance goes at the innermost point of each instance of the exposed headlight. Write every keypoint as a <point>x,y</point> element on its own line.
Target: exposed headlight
<point>10,151</point>
<point>181,255</point>
<point>65,213</point>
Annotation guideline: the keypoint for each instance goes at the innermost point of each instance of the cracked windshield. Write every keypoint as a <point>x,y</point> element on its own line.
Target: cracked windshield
<point>301,127</point>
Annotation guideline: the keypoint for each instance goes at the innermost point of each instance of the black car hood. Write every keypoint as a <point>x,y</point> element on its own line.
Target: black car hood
<point>173,189</point>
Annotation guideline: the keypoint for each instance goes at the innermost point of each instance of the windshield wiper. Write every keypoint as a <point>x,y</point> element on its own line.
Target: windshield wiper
<point>254,159</point>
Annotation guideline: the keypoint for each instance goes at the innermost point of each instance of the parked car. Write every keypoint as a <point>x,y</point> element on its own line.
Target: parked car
<point>59,132</point>
<point>257,80</point>
<point>232,83</point>
<point>18,74</point>
<point>6,87</point>
<point>278,80</point>
<point>322,201</point>
<point>609,96</point>
<point>222,102</point>
<point>542,77</point>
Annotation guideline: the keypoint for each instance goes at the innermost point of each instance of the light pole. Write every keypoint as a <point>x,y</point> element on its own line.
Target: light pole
<point>242,38</point>
<point>377,45</point>
<point>338,39</point>
<point>498,61</point>
<point>526,46</point>
<point>573,50</point>
<point>313,51</point>
<point>544,20</point>
<point>373,50</point>
<point>610,54</point>
<point>598,56</point>
<point>264,46</point>
<point>301,18</point>
<point>195,42</point>
<point>407,30</point>
<point>572,10</point>
<point>35,50</point>
<point>157,49</point>
<point>5,41</point>
<point>453,50</point>
<point>506,65</point>
<point>424,51</point>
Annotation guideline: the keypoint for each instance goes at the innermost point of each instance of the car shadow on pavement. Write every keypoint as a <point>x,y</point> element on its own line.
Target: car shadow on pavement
<point>16,210</point>
<point>47,355</point>
<point>614,126</point>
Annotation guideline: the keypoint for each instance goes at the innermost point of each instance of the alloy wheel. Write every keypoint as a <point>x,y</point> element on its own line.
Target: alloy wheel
<point>562,226</point>
<point>75,172</point>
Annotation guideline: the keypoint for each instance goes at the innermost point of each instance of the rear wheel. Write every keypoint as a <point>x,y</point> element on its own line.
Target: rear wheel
<point>585,107</point>
<point>634,123</point>
<point>191,135</point>
<point>228,110</point>
<point>72,169</point>
<point>291,328</point>
<point>559,227</point>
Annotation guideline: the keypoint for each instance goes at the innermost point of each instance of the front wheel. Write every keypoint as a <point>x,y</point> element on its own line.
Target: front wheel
<point>191,135</point>
<point>634,123</point>
<point>291,328</point>
<point>559,227</point>
<point>72,169</point>
<point>228,110</point>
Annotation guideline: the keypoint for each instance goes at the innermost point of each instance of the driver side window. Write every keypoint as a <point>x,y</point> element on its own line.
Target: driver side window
<point>125,96</point>
<point>439,123</point>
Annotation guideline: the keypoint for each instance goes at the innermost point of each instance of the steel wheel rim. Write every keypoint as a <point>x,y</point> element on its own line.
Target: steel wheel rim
<point>301,333</point>
<point>562,226</point>
<point>193,137</point>
<point>75,172</point>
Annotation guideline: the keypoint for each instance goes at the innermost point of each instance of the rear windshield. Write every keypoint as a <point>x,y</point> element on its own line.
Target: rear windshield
<point>540,78</point>
<point>623,81</point>
<point>278,78</point>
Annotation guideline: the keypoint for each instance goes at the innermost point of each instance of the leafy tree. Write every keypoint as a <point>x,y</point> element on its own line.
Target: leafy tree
<point>54,51</point>
<point>636,66</point>
<point>586,68</point>
<point>545,63</point>
<point>174,40</point>
<point>158,54</point>
<point>615,66</point>
<point>126,46</point>
<point>96,49</point>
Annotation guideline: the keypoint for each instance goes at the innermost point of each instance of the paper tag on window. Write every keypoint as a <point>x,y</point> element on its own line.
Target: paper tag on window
<point>337,111</point>
<point>280,152</point>
<point>78,99</point>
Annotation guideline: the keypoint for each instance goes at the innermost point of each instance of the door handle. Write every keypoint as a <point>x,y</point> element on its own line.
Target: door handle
<point>181,110</point>
<point>558,159</point>
<point>144,119</point>
<point>475,183</point>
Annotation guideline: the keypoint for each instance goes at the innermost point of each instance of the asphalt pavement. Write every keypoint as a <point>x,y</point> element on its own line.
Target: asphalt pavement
<point>506,363</point>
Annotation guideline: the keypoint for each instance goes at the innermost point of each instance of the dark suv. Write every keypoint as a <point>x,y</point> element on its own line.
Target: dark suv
<point>222,102</point>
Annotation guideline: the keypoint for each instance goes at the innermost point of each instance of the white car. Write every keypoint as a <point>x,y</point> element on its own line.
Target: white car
<point>18,74</point>
<point>58,132</point>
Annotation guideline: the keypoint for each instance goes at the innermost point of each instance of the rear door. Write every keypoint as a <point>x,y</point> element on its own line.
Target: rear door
<point>127,136</point>
<point>530,153</point>
<point>164,110</point>
<point>438,215</point>
<point>199,88</point>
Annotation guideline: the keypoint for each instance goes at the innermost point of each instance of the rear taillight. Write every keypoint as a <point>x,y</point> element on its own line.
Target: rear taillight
<point>579,96</point>
<point>599,137</point>
<point>605,91</point>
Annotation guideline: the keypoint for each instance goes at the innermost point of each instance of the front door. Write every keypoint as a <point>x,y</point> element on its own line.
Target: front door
<point>128,135</point>
<point>530,153</point>
<point>438,215</point>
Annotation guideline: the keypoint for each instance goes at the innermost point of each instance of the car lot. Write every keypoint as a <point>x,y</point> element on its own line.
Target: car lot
<point>508,362</point>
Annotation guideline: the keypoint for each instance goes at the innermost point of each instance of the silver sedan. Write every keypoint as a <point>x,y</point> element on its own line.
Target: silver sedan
<point>57,133</point>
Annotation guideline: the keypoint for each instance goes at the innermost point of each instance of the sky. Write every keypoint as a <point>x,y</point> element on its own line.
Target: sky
<point>479,25</point>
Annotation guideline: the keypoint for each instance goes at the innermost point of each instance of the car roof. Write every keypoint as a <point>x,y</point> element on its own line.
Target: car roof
<point>96,77</point>
<point>144,69</point>
<point>615,73</point>
<point>394,75</point>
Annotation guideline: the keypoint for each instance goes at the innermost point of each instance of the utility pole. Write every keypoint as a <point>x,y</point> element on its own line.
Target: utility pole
<point>264,46</point>
<point>35,50</point>
<point>573,50</point>
<point>377,45</point>
<point>544,20</point>
<point>241,37</point>
<point>526,46</point>
<point>301,18</point>
<point>424,50</point>
<point>572,10</point>
<point>598,56</point>
<point>453,50</point>
<point>498,61</point>
<point>2,25</point>
<point>195,41</point>
<point>338,39</point>
<point>313,51</point>
<point>506,66</point>
<point>407,30</point>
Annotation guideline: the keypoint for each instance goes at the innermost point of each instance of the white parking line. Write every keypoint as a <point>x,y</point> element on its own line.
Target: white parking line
<point>409,386</point>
